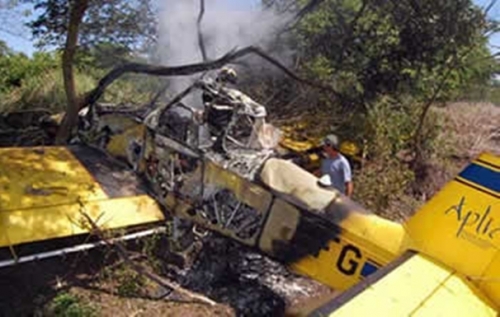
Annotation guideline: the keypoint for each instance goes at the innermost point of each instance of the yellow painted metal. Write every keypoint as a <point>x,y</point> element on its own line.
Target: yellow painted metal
<point>119,144</point>
<point>419,287</point>
<point>489,281</point>
<point>49,222</point>
<point>217,177</point>
<point>460,226</point>
<point>456,297</point>
<point>349,148</point>
<point>281,225</point>
<point>298,139</point>
<point>117,122</point>
<point>44,190</point>
<point>37,177</point>
<point>376,232</point>
<point>246,191</point>
<point>365,235</point>
<point>490,158</point>
<point>378,240</point>
<point>299,145</point>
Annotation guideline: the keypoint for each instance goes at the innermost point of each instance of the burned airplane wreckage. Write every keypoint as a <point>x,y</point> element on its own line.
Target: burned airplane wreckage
<point>218,167</point>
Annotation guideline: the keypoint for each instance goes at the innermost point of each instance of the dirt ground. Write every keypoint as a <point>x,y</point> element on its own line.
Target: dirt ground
<point>112,305</point>
<point>36,285</point>
<point>241,282</point>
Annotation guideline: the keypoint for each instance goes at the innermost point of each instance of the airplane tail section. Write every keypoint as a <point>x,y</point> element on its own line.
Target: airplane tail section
<point>461,224</point>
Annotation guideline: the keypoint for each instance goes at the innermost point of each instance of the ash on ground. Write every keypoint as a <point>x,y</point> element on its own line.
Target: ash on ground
<point>252,284</point>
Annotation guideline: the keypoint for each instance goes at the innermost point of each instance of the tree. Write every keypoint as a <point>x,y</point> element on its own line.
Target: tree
<point>428,50</point>
<point>75,24</point>
<point>104,56</point>
<point>4,48</point>
<point>368,48</point>
<point>130,24</point>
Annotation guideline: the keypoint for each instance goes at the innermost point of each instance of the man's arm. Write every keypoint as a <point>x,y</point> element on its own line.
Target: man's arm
<point>349,188</point>
<point>317,172</point>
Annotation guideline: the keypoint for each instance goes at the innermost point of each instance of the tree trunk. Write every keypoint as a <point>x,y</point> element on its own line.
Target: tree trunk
<point>76,14</point>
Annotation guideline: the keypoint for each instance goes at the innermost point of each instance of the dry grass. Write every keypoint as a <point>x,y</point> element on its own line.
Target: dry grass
<point>474,128</point>
<point>111,305</point>
<point>467,130</point>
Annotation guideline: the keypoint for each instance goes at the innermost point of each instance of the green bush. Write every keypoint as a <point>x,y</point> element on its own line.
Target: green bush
<point>388,131</point>
<point>129,281</point>
<point>67,305</point>
<point>389,126</point>
<point>15,69</point>
<point>381,182</point>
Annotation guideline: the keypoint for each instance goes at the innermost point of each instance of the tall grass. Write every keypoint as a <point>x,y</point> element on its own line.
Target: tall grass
<point>46,91</point>
<point>473,128</point>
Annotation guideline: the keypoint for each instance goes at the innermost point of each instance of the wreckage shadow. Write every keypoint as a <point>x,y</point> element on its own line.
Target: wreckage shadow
<point>26,288</point>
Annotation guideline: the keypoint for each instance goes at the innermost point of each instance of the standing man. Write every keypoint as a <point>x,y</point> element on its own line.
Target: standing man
<point>335,171</point>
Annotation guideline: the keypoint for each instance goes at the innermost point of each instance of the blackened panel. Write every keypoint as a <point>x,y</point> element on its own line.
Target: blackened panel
<point>114,177</point>
<point>313,234</point>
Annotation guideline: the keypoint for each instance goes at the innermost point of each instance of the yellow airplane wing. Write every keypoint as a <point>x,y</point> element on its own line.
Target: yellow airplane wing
<point>412,285</point>
<point>460,225</point>
<point>43,191</point>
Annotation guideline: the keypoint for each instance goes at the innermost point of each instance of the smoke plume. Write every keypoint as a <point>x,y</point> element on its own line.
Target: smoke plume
<point>224,28</point>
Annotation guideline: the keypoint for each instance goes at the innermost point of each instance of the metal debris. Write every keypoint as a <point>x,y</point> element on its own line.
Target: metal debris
<point>253,284</point>
<point>244,163</point>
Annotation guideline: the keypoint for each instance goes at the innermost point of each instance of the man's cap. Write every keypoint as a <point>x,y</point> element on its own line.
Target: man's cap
<point>331,140</point>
